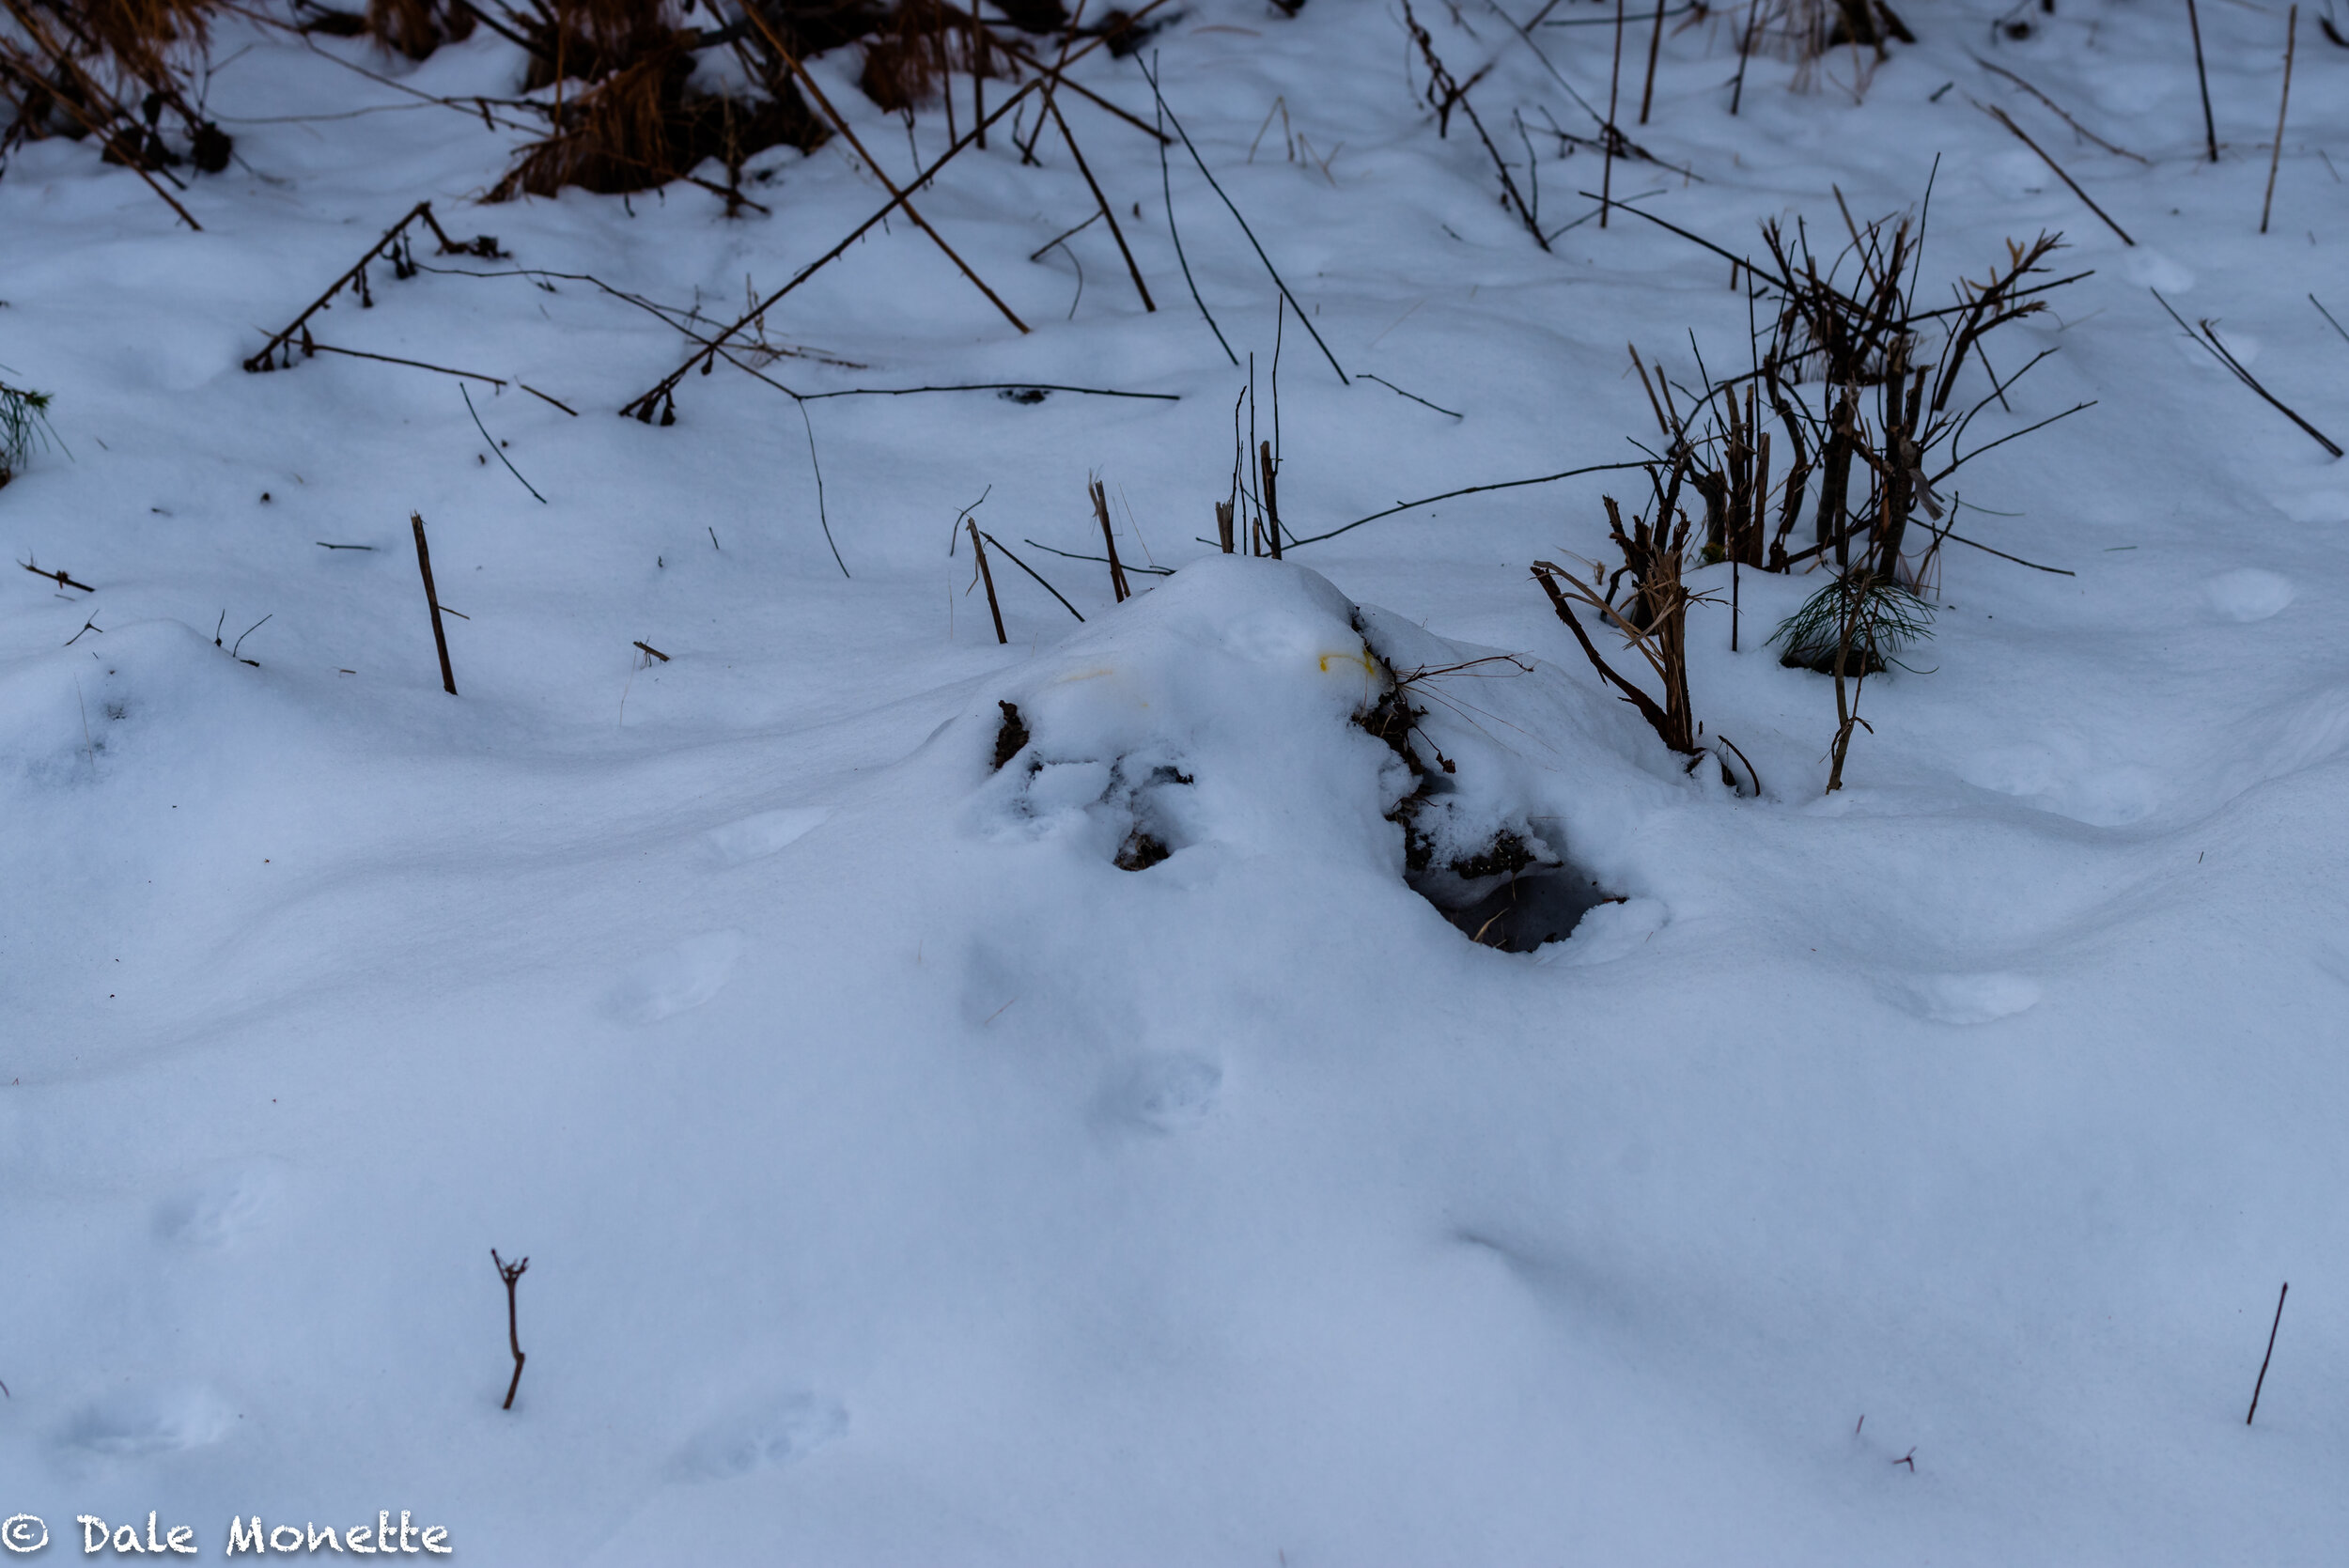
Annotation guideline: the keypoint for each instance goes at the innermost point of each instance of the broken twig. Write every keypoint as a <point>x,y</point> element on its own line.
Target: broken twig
<point>448,684</point>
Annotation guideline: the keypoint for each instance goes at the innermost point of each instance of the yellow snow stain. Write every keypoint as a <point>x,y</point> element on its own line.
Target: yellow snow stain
<point>1361,661</point>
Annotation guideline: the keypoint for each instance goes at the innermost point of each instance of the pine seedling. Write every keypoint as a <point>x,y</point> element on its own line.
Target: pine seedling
<point>23,421</point>
<point>1859,623</point>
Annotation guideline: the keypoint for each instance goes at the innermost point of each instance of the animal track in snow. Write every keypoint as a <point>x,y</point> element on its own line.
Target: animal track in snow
<point>136,1423</point>
<point>1162,1094</point>
<point>683,977</point>
<point>2111,797</point>
<point>1963,998</point>
<point>772,1432</point>
<point>753,837</point>
<point>224,1205</point>
<point>2248,594</point>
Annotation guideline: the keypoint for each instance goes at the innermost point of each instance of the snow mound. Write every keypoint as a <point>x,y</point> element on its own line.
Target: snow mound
<point>1245,708</point>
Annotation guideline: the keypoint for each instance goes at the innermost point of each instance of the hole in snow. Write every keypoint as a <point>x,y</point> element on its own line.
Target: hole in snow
<point>1504,888</point>
<point>1515,912</point>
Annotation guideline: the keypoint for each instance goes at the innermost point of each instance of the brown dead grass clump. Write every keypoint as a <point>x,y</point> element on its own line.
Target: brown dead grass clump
<point>588,39</point>
<point>641,127</point>
<point>417,27</point>
<point>911,55</point>
<point>108,68</point>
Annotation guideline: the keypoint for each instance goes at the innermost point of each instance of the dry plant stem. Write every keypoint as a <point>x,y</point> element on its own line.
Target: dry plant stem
<point>313,347</point>
<point>440,641</point>
<point>1269,466</point>
<point>988,578</point>
<point>643,407</point>
<point>2210,340</point>
<point>60,579</point>
<point>1108,538</point>
<point>1543,573</point>
<point>816,467</point>
<point>1451,413</point>
<point>1116,233</point>
<point>284,339</point>
<point>1445,93</point>
<point>1655,44</point>
<point>511,1273</point>
<point>989,386</point>
<point>2291,38</point>
<point>1151,75</point>
<point>791,61</point>
<point>1847,715</point>
<point>1030,571</point>
<point>1024,57</point>
<point>1835,477</point>
<point>1053,79</point>
<point>495,447</point>
<point>1614,85</point>
<point>2210,125</point>
<point>1223,525</point>
<point>1467,489</point>
<point>1747,262</point>
<point>2002,555</point>
<point>1166,189</point>
<point>1999,114</point>
<point>1665,653</point>
<point>2058,110</point>
<point>1097,560</point>
<point>2271,1353</point>
<point>1745,49</point>
<point>2329,316</point>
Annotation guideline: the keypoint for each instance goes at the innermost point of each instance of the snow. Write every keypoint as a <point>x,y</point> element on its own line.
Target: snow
<point>902,1180</point>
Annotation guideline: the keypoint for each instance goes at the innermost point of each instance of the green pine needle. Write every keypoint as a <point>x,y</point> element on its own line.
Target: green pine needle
<point>23,420</point>
<point>1885,618</point>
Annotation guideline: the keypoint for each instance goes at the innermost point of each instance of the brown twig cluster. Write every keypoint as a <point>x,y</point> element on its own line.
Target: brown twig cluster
<point>395,247</point>
<point>1653,618</point>
<point>1846,340</point>
<point>1860,379</point>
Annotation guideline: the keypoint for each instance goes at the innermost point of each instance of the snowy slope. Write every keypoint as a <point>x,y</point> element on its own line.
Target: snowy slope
<point>903,1180</point>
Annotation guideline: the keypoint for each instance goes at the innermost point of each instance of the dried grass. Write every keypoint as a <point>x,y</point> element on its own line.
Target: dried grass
<point>640,126</point>
<point>417,27</point>
<point>922,42</point>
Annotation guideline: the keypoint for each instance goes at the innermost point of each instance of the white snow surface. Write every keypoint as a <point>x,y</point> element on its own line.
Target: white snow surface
<point>902,1181</point>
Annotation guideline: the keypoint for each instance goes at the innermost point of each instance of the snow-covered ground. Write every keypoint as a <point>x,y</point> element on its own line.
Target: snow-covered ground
<point>902,1181</point>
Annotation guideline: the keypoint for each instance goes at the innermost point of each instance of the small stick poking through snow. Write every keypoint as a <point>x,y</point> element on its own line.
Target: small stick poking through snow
<point>510,1272</point>
<point>2210,125</point>
<point>1101,510</point>
<point>2291,38</point>
<point>988,578</point>
<point>2271,1353</point>
<point>432,601</point>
